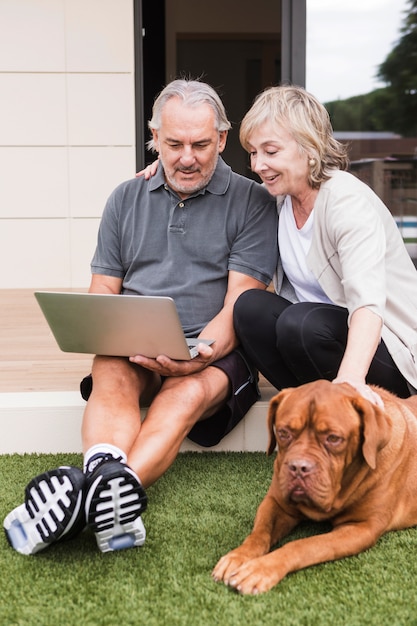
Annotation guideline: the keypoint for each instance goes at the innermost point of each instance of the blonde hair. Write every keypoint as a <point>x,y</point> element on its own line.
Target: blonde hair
<point>306,119</point>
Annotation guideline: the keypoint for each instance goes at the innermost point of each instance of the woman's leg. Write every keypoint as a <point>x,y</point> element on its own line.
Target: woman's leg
<point>312,337</point>
<point>255,316</point>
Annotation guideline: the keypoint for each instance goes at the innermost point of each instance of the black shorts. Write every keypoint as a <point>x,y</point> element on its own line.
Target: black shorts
<point>243,379</point>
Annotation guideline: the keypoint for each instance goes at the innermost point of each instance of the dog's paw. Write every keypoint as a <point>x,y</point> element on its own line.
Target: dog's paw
<point>249,575</point>
<point>228,564</point>
<point>252,578</point>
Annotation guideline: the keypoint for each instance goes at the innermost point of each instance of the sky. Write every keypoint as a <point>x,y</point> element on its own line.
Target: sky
<point>346,42</point>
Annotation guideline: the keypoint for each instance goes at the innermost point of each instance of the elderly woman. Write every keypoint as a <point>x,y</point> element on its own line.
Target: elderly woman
<point>345,306</point>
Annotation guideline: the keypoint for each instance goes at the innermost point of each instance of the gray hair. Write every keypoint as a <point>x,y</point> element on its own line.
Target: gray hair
<point>193,93</point>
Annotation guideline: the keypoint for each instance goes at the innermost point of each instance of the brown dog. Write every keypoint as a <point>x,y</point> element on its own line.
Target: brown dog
<point>340,458</point>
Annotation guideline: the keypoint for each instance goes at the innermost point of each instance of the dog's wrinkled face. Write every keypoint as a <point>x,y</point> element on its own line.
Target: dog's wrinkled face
<point>322,430</point>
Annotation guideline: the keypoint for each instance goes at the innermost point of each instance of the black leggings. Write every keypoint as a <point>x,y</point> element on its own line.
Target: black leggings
<point>292,344</point>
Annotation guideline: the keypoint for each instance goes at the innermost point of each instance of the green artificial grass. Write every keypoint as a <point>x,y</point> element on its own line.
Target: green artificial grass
<point>200,509</point>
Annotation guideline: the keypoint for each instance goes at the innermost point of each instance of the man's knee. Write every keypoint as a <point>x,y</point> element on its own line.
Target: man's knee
<point>199,393</point>
<point>117,376</point>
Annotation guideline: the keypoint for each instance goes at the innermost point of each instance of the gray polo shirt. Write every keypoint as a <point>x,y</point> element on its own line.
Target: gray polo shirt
<point>162,245</point>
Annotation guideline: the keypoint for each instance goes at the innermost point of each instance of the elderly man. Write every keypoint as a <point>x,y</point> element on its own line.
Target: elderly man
<point>199,233</point>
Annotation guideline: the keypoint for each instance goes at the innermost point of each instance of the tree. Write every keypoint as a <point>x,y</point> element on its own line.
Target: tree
<point>394,107</point>
<point>375,111</point>
<point>399,70</point>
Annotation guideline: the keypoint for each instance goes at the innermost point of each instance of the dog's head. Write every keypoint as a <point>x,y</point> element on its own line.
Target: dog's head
<point>322,431</point>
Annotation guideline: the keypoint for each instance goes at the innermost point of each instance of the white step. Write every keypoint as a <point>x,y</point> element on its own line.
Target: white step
<point>50,422</point>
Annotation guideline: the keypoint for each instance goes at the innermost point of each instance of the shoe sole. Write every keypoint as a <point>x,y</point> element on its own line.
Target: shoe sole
<point>53,502</point>
<point>114,503</point>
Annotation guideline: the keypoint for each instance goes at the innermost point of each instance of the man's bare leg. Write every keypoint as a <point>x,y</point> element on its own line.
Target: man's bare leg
<point>115,498</point>
<point>112,414</point>
<point>180,403</point>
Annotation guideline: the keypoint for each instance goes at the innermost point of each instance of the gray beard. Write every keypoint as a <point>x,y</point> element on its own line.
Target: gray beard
<point>187,189</point>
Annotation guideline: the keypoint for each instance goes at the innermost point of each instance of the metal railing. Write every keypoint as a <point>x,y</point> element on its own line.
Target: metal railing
<point>395,182</point>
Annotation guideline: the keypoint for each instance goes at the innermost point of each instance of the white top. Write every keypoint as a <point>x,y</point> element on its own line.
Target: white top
<point>294,245</point>
<point>358,257</point>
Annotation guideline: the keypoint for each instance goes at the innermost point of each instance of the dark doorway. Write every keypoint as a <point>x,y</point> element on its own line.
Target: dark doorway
<point>238,67</point>
<point>149,68</point>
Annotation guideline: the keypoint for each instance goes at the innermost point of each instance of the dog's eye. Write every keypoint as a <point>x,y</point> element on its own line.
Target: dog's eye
<point>334,439</point>
<point>283,434</point>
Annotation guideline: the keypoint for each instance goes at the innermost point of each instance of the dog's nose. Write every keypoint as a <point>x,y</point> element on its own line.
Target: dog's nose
<point>300,467</point>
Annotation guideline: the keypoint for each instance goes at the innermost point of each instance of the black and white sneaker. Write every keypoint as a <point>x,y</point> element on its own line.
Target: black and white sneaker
<point>115,500</point>
<point>53,509</point>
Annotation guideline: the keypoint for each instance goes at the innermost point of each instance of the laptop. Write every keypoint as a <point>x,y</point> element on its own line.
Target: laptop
<point>116,325</point>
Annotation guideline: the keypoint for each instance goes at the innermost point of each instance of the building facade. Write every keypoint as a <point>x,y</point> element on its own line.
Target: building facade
<point>77,81</point>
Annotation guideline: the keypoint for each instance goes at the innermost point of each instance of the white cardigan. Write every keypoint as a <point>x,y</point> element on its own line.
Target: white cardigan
<point>358,257</point>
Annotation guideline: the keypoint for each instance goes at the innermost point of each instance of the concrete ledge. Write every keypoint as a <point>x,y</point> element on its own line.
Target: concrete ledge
<point>50,422</point>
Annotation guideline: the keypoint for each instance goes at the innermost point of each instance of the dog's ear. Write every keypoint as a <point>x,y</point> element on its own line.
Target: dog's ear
<point>377,426</point>
<point>273,406</point>
<point>272,441</point>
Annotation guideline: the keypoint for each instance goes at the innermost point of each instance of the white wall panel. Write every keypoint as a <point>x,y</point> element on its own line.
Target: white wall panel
<point>94,173</point>
<point>101,109</point>
<point>34,253</point>
<point>83,235</point>
<point>32,37</point>
<point>33,182</point>
<point>67,133</point>
<point>102,41</point>
<point>32,109</point>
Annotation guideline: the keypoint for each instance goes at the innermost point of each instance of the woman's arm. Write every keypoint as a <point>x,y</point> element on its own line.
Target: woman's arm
<point>364,336</point>
<point>149,170</point>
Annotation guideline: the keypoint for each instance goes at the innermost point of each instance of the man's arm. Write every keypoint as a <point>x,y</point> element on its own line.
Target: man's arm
<point>105,284</point>
<point>220,328</point>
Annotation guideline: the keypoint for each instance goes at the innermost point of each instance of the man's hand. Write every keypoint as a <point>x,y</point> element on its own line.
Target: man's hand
<point>164,366</point>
